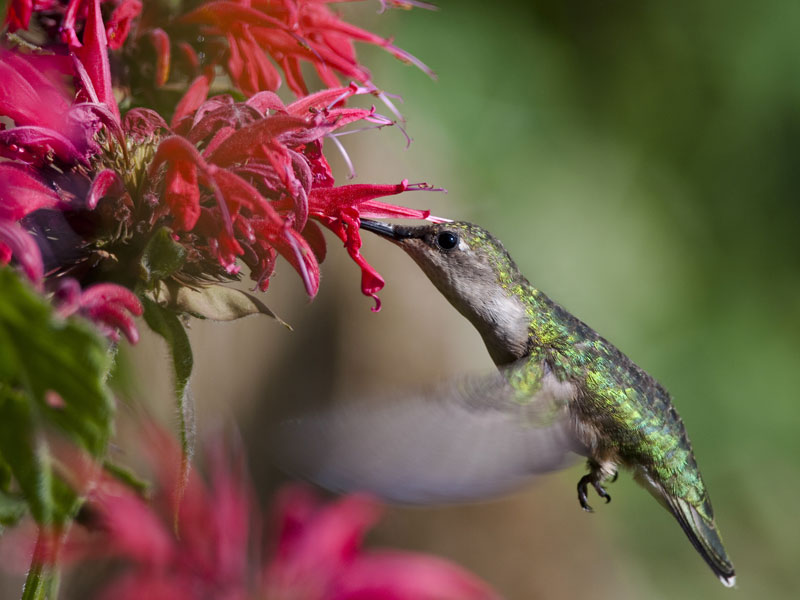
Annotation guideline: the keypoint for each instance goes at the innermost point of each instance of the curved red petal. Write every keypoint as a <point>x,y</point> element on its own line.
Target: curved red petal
<point>103,182</point>
<point>194,96</point>
<point>182,194</point>
<point>120,22</point>
<point>21,193</point>
<point>324,201</point>
<point>102,294</point>
<point>22,247</point>
<point>160,40</point>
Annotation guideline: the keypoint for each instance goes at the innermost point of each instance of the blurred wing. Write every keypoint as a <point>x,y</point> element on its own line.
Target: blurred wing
<point>465,441</point>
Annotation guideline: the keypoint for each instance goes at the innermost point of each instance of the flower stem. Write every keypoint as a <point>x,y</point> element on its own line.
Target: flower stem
<point>43,577</point>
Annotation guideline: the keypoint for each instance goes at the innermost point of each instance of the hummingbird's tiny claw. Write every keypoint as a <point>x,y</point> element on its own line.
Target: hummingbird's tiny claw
<point>614,476</point>
<point>582,484</point>
<point>601,491</point>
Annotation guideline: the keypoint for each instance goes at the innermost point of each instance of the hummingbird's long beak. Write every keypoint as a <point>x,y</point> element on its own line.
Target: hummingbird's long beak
<point>395,233</point>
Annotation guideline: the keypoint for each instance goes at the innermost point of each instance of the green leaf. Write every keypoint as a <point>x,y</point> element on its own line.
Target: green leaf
<point>5,475</point>
<point>25,451</point>
<point>215,302</point>
<point>162,256</point>
<point>52,376</point>
<point>168,325</point>
<point>12,509</point>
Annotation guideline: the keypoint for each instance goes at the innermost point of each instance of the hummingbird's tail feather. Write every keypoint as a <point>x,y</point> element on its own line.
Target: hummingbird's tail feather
<point>704,536</point>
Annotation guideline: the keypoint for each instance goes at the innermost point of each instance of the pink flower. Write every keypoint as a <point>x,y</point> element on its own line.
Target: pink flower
<point>110,306</point>
<point>318,555</point>
<point>212,550</point>
<point>49,145</point>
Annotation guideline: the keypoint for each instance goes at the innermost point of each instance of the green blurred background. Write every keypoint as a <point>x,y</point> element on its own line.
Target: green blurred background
<point>639,159</point>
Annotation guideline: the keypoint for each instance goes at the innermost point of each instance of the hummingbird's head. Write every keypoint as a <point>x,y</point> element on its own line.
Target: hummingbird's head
<point>472,269</point>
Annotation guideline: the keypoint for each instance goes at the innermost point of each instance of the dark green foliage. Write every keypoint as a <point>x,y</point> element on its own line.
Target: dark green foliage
<point>162,257</point>
<point>52,379</point>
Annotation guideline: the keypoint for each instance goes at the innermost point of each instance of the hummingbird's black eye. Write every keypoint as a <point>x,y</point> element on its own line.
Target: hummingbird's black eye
<point>447,240</point>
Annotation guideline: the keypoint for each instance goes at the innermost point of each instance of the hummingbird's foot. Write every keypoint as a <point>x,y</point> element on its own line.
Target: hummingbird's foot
<point>591,478</point>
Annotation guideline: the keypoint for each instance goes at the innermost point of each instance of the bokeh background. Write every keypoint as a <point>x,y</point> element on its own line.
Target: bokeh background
<point>640,160</point>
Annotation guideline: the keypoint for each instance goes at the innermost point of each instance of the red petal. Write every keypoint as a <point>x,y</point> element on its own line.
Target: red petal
<point>373,209</point>
<point>295,249</point>
<point>408,576</point>
<point>160,41</point>
<point>104,293</point>
<point>174,148</point>
<point>133,529</point>
<point>94,56</point>
<point>178,148</point>
<point>68,34</point>
<point>227,15</point>
<point>27,95</point>
<point>266,101</point>
<point>194,96</point>
<point>182,194</point>
<point>39,143</point>
<point>238,193</point>
<point>190,55</point>
<point>19,14</point>
<point>20,245</point>
<point>101,184</point>
<point>316,240</point>
<point>325,201</point>
<point>143,123</point>
<point>67,296</point>
<point>321,100</point>
<point>251,140</point>
<point>120,23</point>
<point>111,306</point>
<point>318,536</point>
<point>21,193</point>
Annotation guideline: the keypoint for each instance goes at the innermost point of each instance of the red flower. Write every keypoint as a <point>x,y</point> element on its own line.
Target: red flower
<point>316,554</point>
<point>290,32</point>
<point>261,165</point>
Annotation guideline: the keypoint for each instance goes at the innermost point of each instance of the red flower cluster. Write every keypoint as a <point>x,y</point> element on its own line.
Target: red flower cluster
<point>263,163</point>
<point>83,189</point>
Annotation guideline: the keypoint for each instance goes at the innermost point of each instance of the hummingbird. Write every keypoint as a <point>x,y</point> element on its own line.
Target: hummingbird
<point>560,389</point>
